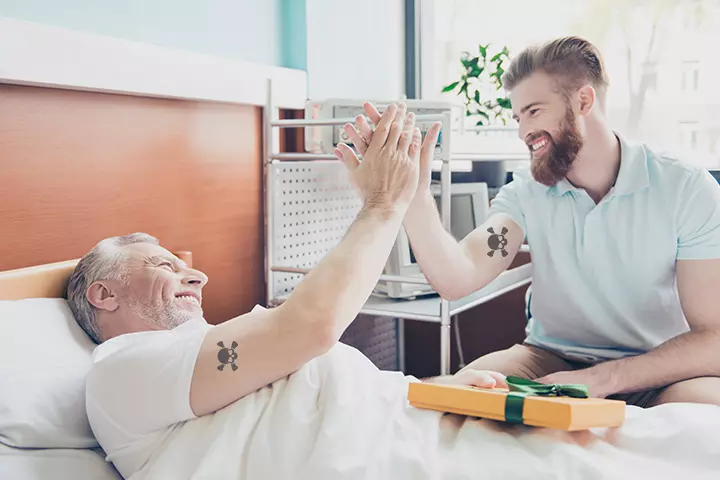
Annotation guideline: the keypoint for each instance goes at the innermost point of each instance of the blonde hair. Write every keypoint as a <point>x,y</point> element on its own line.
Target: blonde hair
<point>571,61</point>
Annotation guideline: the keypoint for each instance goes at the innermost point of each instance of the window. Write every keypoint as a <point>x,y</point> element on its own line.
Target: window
<point>659,56</point>
<point>693,13</point>
<point>650,73</point>
<point>688,135</point>
<point>690,77</point>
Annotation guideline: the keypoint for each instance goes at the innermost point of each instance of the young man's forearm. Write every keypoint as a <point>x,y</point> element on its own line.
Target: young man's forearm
<point>444,261</point>
<point>692,354</point>
<point>331,295</point>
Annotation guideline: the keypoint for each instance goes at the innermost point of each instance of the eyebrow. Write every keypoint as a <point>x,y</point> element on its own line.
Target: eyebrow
<point>528,107</point>
<point>157,259</point>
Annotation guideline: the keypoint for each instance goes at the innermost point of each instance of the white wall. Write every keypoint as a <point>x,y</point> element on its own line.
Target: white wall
<point>355,49</point>
<point>242,29</point>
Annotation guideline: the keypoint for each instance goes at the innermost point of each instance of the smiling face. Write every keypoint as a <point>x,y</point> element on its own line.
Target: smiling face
<point>160,289</point>
<point>548,126</point>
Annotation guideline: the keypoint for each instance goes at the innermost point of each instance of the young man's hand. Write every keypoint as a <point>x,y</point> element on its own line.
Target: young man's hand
<point>599,386</point>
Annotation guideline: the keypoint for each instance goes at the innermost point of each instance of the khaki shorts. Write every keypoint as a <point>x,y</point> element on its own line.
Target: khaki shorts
<point>532,362</point>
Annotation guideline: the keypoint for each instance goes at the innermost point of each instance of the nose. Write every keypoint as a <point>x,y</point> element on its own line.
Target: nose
<point>194,277</point>
<point>523,131</point>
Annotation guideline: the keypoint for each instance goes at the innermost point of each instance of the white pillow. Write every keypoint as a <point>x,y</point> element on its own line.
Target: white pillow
<point>44,358</point>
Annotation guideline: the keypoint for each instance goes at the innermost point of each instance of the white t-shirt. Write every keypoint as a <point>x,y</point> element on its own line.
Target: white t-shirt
<point>138,391</point>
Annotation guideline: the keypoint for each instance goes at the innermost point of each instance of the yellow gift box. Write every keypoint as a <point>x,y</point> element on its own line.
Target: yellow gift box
<point>559,412</point>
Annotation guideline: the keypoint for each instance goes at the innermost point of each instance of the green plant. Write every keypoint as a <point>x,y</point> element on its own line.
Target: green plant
<point>481,86</point>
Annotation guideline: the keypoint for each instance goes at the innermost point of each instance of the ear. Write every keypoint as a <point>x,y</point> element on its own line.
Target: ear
<point>587,99</point>
<point>102,296</point>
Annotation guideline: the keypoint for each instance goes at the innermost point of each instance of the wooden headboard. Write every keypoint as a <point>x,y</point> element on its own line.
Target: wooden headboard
<point>41,281</point>
<point>79,166</point>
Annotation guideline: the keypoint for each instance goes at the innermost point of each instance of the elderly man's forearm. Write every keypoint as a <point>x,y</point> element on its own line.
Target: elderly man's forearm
<point>331,295</point>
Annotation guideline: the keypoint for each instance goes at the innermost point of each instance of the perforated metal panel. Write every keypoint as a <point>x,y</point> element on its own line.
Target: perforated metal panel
<point>376,338</point>
<point>313,205</point>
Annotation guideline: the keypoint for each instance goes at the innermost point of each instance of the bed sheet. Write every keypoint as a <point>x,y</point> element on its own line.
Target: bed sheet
<point>338,417</point>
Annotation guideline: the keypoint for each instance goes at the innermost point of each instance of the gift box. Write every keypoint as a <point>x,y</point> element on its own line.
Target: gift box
<point>564,407</point>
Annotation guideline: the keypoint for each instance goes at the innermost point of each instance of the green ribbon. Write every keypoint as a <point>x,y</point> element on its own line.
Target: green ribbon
<point>521,388</point>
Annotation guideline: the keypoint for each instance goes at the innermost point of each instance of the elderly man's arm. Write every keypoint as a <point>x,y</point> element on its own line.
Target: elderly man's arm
<point>274,343</point>
<point>692,354</point>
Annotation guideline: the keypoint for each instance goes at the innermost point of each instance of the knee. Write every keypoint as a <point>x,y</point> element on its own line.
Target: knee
<point>694,390</point>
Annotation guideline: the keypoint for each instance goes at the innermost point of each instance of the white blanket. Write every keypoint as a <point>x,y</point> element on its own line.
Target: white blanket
<point>341,418</point>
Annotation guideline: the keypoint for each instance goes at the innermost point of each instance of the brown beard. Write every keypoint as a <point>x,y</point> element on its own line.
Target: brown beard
<point>554,165</point>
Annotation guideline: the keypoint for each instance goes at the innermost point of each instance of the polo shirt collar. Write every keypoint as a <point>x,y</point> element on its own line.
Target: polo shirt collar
<point>632,177</point>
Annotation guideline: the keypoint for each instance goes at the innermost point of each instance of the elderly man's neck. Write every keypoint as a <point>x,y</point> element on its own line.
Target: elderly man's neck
<point>114,327</point>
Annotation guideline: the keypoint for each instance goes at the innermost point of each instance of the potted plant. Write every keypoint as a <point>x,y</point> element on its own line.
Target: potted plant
<point>486,104</point>
<point>481,86</point>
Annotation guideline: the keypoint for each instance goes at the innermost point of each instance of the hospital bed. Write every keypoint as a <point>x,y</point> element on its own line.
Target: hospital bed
<point>44,433</point>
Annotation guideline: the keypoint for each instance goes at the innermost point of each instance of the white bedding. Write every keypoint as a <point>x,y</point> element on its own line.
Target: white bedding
<point>341,418</point>
<point>54,464</point>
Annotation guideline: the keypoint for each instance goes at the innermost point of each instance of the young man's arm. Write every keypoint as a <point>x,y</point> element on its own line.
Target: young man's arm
<point>273,343</point>
<point>692,354</point>
<point>453,269</point>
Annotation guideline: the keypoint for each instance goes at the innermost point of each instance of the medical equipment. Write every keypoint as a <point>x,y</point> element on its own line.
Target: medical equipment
<point>469,209</point>
<point>323,140</point>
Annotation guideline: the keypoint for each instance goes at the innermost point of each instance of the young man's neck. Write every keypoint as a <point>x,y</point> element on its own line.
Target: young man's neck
<point>596,167</point>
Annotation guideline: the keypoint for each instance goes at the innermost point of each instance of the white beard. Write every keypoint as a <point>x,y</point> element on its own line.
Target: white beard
<point>166,317</point>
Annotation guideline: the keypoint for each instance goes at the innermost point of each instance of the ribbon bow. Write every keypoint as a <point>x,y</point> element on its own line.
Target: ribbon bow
<point>530,387</point>
<point>521,387</point>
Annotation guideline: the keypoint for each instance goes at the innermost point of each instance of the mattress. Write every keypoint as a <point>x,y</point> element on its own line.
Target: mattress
<point>54,464</point>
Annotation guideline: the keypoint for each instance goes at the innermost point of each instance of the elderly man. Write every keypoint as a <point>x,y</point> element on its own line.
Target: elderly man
<point>158,362</point>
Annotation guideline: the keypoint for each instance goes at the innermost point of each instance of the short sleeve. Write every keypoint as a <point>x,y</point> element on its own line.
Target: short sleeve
<point>698,218</point>
<point>507,201</point>
<point>140,382</point>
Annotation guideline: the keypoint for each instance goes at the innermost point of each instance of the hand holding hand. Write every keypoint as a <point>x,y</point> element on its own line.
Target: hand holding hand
<point>362,134</point>
<point>388,174</point>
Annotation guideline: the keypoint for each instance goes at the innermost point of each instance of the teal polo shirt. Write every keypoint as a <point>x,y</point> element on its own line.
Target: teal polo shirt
<point>604,284</point>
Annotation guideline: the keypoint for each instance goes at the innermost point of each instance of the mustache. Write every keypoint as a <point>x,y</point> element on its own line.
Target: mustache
<point>555,164</point>
<point>531,137</point>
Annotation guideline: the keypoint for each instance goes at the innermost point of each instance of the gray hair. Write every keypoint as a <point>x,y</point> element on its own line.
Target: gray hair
<point>571,61</point>
<point>103,262</point>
